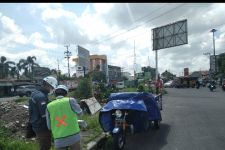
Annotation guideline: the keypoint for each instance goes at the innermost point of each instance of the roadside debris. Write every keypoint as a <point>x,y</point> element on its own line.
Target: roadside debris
<point>90,105</point>
<point>14,117</point>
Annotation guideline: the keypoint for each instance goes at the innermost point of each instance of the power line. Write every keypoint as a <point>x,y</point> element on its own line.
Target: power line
<point>143,23</point>
<point>150,13</point>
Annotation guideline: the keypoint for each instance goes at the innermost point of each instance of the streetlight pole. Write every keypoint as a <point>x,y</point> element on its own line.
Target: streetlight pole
<point>208,54</point>
<point>214,52</point>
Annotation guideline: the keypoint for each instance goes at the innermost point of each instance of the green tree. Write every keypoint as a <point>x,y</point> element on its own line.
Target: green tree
<point>27,65</point>
<point>84,89</point>
<point>5,67</point>
<point>31,64</point>
<point>98,75</point>
<point>221,64</point>
<point>166,75</point>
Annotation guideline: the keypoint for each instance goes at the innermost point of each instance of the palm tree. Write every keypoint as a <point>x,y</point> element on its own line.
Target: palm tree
<point>23,65</point>
<point>31,63</point>
<point>53,72</point>
<point>27,65</point>
<point>5,67</point>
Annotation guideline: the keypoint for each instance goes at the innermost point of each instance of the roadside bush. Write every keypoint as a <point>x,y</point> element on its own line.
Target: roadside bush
<point>84,89</point>
<point>140,88</point>
<point>22,99</point>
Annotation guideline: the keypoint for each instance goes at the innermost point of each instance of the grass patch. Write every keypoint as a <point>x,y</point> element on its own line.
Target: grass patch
<point>93,127</point>
<point>129,90</point>
<point>22,99</point>
<point>8,142</point>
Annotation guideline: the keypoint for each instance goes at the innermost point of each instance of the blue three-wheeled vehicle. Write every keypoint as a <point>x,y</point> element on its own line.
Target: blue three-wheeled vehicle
<point>131,112</point>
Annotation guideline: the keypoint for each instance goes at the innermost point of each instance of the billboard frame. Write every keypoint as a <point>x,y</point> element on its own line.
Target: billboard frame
<point>169,35</point>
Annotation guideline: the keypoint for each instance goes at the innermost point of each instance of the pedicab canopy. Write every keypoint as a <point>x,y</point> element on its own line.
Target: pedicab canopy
<point>140,101</point>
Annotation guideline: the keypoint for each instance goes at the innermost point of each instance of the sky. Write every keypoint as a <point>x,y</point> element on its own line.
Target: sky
<point>112,29</point>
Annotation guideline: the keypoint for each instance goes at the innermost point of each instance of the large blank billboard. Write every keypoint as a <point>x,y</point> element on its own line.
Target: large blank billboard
<point>83,58</point>
<point>170,35</point>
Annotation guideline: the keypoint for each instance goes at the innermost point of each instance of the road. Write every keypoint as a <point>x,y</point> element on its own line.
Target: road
<point>193,119</point>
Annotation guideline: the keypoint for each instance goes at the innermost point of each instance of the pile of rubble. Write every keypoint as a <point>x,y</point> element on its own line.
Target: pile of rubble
<point>14,117</point>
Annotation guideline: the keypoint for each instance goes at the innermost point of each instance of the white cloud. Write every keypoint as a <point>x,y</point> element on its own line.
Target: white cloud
<point>50,31</point>
<point>103,8</point>
<point>36,40</point>
<point>11,31</point>
<point>56,13</point>
<point>99,22</point>
<point>46,5</point>
<point>9,25</point>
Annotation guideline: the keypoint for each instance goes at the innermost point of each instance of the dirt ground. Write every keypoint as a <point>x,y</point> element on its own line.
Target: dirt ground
<point>14,117</point>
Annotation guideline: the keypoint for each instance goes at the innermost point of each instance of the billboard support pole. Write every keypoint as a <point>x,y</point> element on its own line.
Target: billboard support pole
<point>156,64</point>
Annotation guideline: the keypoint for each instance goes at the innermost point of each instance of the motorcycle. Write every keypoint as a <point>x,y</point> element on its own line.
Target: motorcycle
<point>129,113</point>
<point>211,87</point>
<point>223,87</point>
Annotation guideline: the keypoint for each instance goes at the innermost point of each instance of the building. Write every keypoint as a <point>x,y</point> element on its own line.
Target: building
<point>82,61</point>
<point>98,60</point>
<point>115,74</point>
<point>149,72</point>
<point>127,75</point>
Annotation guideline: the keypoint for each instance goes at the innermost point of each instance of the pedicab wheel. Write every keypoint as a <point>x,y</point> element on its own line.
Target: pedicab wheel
<point>119,141</point>
<point>146,125</point>
<point>156,124</point>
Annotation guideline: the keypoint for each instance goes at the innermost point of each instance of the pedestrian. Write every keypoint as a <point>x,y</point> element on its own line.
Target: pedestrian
<point>62,120</point>
<point>159,86</point>
<point>37,106</point>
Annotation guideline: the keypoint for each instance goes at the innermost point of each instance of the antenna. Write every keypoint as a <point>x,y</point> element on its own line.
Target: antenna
<point>68,54</point>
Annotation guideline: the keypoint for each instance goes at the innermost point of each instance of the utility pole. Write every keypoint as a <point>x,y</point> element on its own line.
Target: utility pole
<point>58,71</point>
<point>156,64</point>
<point>149,75</point>
<point>214,52</point>
<point>134,62</point>
<point>210,69</point>
<point>68,54</point>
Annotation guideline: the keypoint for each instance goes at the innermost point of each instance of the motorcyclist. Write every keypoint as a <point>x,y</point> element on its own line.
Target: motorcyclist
<point>212,85</point>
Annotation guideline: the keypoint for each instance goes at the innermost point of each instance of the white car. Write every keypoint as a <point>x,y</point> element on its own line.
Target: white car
<point>168,84</point>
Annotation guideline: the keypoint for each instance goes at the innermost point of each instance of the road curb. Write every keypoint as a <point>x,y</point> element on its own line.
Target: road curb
<point>93,145</point>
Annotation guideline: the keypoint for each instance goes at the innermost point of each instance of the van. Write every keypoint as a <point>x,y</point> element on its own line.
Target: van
<point>120,85</point>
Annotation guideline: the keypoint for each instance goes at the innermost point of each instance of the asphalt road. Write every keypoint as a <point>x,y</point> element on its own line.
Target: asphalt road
<point>193,119</point>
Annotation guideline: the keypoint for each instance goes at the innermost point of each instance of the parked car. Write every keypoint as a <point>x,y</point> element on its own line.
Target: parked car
<point>168,84</point>
<point>25,90</point>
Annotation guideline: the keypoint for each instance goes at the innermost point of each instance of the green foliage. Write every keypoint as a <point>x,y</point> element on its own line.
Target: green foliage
<point>98,76</point>
<point>22,99</point>
<point>129,90</point>
<point>167,76</point>
<point>100,91</point>
<point>93,127</point>
<point>221,64</point>
<point>92,121</point>
<point>84,89</point>
<point>140,88</point>
<point>9,142</point>
<point>6,67</point>
<point>108,143</point>
<point>6,144</point>
<point>4,132</point>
